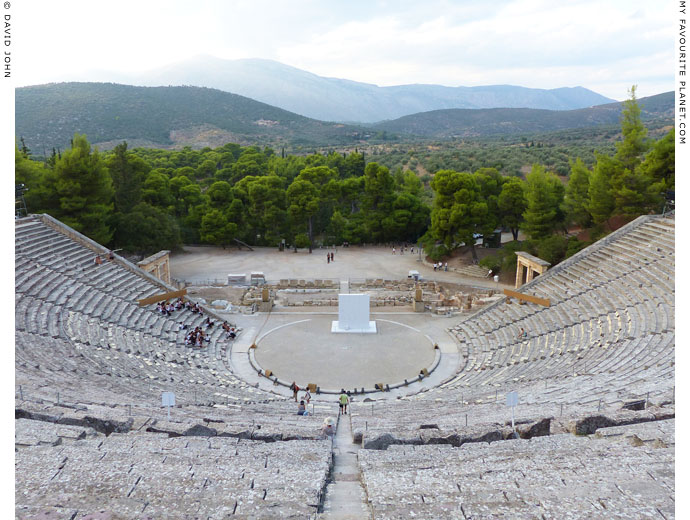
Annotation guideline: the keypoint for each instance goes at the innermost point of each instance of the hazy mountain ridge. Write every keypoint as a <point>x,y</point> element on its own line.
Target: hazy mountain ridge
<point>171,117</point>
<point>505,121</point>
<point>335,99</point>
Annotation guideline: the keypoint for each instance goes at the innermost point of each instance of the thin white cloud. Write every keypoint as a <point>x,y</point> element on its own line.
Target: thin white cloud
<point>523,42</point>
<point>520,42</point>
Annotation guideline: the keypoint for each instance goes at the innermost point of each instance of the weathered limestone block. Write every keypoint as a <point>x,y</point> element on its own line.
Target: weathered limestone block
<point>381,441</point>
<point>77,418</point>
<point>199,430</point>
<point>534,429</point>
<point>34,433</point>
<point>587,425</point>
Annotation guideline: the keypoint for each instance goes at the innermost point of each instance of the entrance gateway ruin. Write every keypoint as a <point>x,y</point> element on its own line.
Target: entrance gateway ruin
<point>527,266</point>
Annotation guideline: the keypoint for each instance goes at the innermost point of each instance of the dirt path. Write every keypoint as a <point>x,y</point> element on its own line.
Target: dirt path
<point>198,264</point>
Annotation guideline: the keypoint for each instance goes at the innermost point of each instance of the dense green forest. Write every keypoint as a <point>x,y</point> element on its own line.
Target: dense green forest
<point>143,200</point>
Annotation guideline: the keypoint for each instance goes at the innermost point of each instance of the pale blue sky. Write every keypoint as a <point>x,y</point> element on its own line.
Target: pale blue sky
<point>603,45</point>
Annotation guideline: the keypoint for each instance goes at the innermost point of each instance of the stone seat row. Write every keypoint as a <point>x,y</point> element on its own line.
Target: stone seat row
<point>92,336</point>
<point>50,281</point>
<point>144,413</point>
<point>548,477</point>
<point>452,411</point>
<point>138,473</point>
<point>135,354</point>
<point>541,360</point>
<point>85,382</point>
<point>486,333</point>
<point>615,385</point>
<point>108,306</point>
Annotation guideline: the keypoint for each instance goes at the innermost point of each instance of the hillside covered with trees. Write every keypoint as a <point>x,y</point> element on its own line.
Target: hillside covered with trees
<point>161,117</point>
<point>512,121</point>
<point>48,116</point>
<point>144,200</point>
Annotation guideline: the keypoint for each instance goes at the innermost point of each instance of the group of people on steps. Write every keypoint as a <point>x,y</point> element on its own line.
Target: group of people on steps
<point>328,427</point>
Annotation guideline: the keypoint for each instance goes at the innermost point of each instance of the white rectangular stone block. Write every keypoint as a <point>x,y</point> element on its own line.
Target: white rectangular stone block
<point>353,314</point>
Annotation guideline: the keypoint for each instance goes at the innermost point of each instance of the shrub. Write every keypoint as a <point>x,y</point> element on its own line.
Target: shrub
<point>302,240</point>
<point>552,248</point>
<point>574,245</point>
<point>492,262</point>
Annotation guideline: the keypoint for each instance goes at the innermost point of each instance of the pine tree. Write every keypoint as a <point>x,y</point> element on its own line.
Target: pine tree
<point>85,190</point>
<point>634,144</point>
<point>601,201</point>
<point>576,198</point>
<point>543,201</point>
<point>512,204</point>
<point>660,162</point>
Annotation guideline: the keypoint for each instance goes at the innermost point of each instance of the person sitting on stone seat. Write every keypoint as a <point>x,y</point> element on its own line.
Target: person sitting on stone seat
<point>328,428</point>
<point>97,260</point>
<point>302,409</point>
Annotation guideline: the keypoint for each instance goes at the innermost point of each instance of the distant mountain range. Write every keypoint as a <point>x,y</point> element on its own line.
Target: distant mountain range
<point>333,99</point>
<point>47,116</point>
<point>504,121</point>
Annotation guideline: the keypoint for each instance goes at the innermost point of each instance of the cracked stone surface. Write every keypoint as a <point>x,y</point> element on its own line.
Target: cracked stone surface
<point>148,475</point>
<point>560,476</point>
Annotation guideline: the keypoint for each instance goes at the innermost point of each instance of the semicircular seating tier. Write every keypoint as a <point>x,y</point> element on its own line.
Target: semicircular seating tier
<point>611,312</point>
<point>81,323</point>
<point>91,364</point>
<point>606,340</point>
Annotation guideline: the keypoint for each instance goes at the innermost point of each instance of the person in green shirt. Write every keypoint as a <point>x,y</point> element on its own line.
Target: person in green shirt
<point>343,401</point>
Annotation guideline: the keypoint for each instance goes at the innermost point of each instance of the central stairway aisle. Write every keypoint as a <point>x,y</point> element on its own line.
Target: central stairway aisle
<point>345,497</point>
